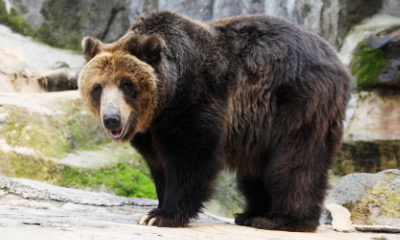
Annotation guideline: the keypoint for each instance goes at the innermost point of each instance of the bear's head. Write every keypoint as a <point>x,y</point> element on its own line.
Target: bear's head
<point>121,82</point>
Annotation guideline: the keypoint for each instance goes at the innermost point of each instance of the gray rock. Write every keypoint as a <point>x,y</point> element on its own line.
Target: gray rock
<point>340,218</point>
<point>22,219</point>
<point>31,189</point>
<point>350,188</point>
<point>108,20</point>
<point>199,10</point>
<point>372,199</point>
<point>59,80</point>
<point>329,19</point>
<point>227,8</point>
<point>391,7</point>
<point>326,217</point>
<point>2,193</point>
<point>59,64</point>
<point>377,228</point>
<point>63,23</point>
<point>388,41</point>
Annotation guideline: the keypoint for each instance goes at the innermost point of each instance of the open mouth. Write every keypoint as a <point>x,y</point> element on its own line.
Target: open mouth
<point>118,133</point>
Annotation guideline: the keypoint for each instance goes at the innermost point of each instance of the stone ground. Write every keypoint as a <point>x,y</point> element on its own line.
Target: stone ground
<point>34,210</point>
<point>21,52</point>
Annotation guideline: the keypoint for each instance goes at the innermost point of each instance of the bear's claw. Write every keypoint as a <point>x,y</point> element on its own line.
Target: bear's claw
<point>147,219</point>
<point>150,223</point>
<point>144,219</point>
<point>157,217</point>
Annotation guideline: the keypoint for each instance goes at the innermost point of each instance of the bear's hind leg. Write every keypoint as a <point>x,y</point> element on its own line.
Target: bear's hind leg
<point>257,200</point>
<point>298,184</point>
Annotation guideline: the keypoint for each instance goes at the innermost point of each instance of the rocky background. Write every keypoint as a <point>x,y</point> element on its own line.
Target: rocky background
<point>48,135</point>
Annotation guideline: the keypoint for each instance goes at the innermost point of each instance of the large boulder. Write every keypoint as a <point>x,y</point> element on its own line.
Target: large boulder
<point>330,19</point>
<point>376,60</point>
<point>63,23</point>
<point>372,140</point>
<point>372,199</point>
<point>108,20</point>
<point>30,66</point>
<point>391,7</point>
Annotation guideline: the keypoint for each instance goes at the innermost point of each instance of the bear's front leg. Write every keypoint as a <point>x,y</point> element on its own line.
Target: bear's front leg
<point>193,154</point>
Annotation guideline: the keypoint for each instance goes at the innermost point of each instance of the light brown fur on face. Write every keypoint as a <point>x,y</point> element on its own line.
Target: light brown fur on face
<point>111,65</point>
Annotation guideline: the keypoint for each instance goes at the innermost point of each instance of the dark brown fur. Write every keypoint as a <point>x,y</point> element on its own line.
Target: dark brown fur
<point>254,93</point>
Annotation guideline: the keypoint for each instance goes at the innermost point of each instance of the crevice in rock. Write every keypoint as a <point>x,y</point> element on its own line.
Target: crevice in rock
<point>114,13</point>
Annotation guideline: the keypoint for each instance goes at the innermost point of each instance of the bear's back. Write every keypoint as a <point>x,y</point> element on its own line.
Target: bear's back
<point>281,77</point>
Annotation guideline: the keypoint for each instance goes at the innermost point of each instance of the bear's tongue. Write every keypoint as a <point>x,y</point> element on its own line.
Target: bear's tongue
<point>116,133</point>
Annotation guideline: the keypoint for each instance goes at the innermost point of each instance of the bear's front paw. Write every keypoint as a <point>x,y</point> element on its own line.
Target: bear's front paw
<point>159,218</point>
<point>245,219</point>
<point>253,220</point>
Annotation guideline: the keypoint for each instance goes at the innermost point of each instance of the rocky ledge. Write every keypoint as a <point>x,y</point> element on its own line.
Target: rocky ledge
<point>34,210</point>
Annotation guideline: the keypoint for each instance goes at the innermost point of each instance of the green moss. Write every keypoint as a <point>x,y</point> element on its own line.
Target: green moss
<point>381,196</point>
<point>123,178</point>
<point>72,41</point>
<point>41,133</point>
<point>54,136</point>
<point>367,156</point>
<point>366,66</point>
<point>83,130</point>
<point>27,166</point>
<point>15,21</point>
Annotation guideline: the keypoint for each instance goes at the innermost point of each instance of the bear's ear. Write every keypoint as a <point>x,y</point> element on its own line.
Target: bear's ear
<point>152,48</point>
<point>90,47</point>
<point>149,50</point>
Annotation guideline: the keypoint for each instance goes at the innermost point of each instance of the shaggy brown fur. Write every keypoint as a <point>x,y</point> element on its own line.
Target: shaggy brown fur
<point>257,94</point>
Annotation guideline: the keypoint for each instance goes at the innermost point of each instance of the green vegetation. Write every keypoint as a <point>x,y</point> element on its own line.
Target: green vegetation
<point>367,156</point>
<point>54,136</point>
<point>366,66</point>
<point>28,166</point>
<point>48,138</point>
<point>46,33</point>
<point>41,133</point>
<point>381,196</point>
<point>123,178</point>
<point>226,200</point>
<point>15,21</point>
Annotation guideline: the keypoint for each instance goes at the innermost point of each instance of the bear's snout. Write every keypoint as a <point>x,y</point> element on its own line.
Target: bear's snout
<point>112,121</point>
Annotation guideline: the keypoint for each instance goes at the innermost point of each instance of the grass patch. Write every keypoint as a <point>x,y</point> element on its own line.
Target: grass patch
<point>366,66</point>
<point>126,180</point>
<point>15,21</point>
<point>83,130</point>
<point>41,133</point>
<point>32,167</point>
<point>54,135</point>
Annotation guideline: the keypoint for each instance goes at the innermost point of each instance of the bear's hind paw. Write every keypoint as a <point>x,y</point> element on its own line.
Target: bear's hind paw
<point>263,223</point>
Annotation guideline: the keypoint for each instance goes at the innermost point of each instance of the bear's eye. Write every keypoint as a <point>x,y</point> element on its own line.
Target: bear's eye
<point>126,86</point>
<point>96,93</point>
<point>97,88</point>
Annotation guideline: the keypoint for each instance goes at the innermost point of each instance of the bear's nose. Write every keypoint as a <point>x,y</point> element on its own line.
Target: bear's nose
<point>111,121</point>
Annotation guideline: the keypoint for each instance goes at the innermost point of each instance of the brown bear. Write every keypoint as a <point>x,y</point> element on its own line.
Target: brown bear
<point>254,94</point>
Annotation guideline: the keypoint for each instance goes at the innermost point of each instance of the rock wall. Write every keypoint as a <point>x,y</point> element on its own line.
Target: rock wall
<point>63,23</point>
